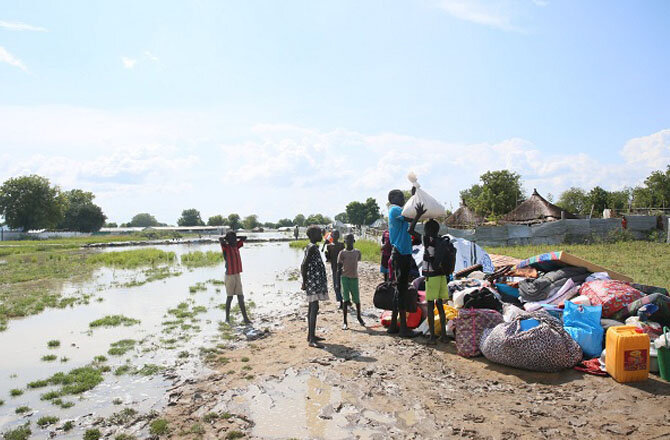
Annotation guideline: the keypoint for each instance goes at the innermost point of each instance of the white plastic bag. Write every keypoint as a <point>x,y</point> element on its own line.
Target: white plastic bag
<point>433,208</point>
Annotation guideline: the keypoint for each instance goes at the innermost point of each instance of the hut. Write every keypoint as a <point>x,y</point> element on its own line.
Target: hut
<point>464,218</point>
<point>536,209</point>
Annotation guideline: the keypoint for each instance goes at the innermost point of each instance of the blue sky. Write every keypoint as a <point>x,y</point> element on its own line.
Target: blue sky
<point>276,108</point>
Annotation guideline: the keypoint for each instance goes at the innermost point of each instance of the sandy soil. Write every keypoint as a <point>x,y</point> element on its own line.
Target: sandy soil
<point>365,384</point>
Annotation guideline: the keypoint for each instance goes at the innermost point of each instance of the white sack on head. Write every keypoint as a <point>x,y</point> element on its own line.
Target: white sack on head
<point>433,208</point>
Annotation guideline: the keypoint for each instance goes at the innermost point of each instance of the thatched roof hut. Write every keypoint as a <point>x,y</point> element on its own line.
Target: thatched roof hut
<point>536,209</point>
<point>464,217</point>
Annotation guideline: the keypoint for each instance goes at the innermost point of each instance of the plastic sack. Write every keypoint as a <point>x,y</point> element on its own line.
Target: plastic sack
<point>546,347</point>
<point>434,209</point>
<point>583,324</point>
<point>613,295</point>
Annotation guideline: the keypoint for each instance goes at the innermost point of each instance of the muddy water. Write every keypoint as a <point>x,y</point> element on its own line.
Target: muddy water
<point>266,283</point>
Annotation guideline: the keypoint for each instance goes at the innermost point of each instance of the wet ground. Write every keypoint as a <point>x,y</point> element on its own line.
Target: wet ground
<point>179,350</point>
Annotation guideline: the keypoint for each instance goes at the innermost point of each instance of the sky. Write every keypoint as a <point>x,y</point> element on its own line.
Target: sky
<point>278,108</point>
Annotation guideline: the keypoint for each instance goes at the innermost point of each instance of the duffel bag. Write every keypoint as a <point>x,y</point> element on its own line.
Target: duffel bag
<point>469,326</point>
<point>545,347</point>
<point>383,297</point>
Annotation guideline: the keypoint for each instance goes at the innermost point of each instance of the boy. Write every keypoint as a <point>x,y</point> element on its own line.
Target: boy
<point>436,281</point>
<point>230,246</point>
<point>332,252</point>
<point>347,266</point>
<point>400,236</point>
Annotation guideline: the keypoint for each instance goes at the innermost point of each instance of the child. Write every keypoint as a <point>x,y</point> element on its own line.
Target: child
<point>386,254</point>
<point>332,252</point>
<point>230,246</point>
<point>314,283</point>
<point>347,266</point>
<point>436,281</point>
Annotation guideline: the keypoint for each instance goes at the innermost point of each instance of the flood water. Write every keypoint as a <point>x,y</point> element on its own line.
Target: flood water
<point>267,283</point>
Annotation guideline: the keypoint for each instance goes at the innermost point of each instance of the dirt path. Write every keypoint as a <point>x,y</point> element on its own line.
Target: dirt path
<point>368,385</point>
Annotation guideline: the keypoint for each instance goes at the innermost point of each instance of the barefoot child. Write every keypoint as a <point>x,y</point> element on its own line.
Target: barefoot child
<point>436,281</point>
<point>332,252</point>
<point>230,246</point>
<point>314,283</point>
<point>347,266</point>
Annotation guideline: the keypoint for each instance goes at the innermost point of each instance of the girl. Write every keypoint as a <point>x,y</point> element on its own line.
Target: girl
<point>314,283</point>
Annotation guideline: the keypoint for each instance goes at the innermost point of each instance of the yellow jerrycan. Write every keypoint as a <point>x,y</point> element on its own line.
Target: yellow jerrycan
<point>627,354</point>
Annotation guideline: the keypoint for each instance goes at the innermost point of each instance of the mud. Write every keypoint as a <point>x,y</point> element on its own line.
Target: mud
<point>367,385</point>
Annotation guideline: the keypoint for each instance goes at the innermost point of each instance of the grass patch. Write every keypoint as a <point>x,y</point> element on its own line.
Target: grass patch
<point>149,370</point>
<point>201,259</point>
<point>100,358</point>
<point>53,343</point>
<point>124,436</point>
<point>20,433</point>
<point>123,369</point>
<point>92,434</point>
<point>38,384</point>
<point>122,417</point>
<point>210,417</point>
<point>183,355</point>
<point>15,392</point>
<point>232,435</point>
<point>62,403</point>
<point>114,321</point>
<point>45,421</point>
<point>49,357</point>
<point>68,426</point>
<point>119,348</point>
<point>75,381</point>
<point>159,427</point>
<point>645,262</point>
<point>133,259</point>
<point>117,401</point>
<point>22,409</point>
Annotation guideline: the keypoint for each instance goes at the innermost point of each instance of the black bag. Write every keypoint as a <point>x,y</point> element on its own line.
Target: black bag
<point>445,255</point>
<point>384,294</point>
<point>482,299</point>
<point>412,299</point>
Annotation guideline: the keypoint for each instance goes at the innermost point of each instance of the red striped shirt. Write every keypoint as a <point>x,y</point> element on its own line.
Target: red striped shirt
<point>232,256</point>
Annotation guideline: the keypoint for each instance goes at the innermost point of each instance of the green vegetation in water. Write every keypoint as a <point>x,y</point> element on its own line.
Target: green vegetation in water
<point>2,402</point>
<point>62,403</point>
<point>183,354</point>
<point>122,417</point>
<point>68,426</point>
<point>644,261</point>
<point>20,433</point>
<point>124,436</point>
<point>114,321</point>
<point>64,359</point>
<point>75,381</point>
<point>38,384</point>
<point>119,348</point>
<point>201,259</point>
<point>92,434</point>
<point>45,421</point>
<point>159,427</point>
<point>232,435</point>
<point>216,282</point>
<point>22,409</point>
<point>154,274</point>
<point>15,392</point>
<point>49,357</point>
<point>117,401</point>
<point>150,370</point>
<point>100,358</point>
<point>123,369</point>
<point>133,258</point>
<point>53,343</point>
<point>198,287</point>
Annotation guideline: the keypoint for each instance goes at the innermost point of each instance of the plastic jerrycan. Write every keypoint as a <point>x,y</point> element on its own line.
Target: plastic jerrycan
<point>627,358</point>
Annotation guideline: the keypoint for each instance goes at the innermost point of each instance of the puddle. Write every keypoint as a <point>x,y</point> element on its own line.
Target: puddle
<point>265,280</point>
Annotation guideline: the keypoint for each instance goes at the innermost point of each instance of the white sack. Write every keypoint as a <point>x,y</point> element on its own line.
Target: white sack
<point>433,208</point>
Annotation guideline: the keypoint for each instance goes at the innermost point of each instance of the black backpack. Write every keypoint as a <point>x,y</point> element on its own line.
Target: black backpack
<point>445,255</point>
<point>384,294</point>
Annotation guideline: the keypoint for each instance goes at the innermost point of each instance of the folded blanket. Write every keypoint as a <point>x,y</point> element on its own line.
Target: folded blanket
<point>536,290</point>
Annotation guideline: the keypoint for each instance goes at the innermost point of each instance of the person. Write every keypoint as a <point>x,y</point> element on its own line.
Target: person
<point>400,236</point>
<point>296,232</point>
<point>230,246</point>
<point>436,281</point>
<point>327,238</point>
<point>347,267</point>
<point>314,283</point>
<point>386,254</point>
<point>332,252</point>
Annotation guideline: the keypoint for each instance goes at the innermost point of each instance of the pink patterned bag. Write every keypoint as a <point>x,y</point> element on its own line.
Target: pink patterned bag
<point>613,295</point>
<point>470,325</point>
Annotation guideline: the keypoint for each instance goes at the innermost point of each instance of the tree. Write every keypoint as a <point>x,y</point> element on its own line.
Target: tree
<point>619,200</point>
<point>356,212</point>
<point>498,193</point>
<point>111,225</point>
<point>234,222</point>
<point>597,201</point>
<point>190,217</point>
<point>574,200</point>
<point>81,214</point>
<point>372,211</point>
<point>658,184</point>
<point>299,220</point>
<point>342,217</point>
<point>317,219</point>
<point>270,225</point>
<point>30,202</point>
<point>250,222</point>
<point>143,220</point>
<point>217,220</point>
<point>284,222</point>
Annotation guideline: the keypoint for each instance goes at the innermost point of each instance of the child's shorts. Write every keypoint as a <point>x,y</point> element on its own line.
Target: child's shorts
<point>233,284</point>
<point>436,288</point>
<point>350,287</point>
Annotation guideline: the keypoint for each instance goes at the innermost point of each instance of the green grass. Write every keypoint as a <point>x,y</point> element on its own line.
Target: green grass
<point>49,357</point>
<point>123,369</point>
<point>20,433</point>
<point>133,259</point>
<point>92,434</point>
<point>53,343</point>
<point>75,381</point>
<point>201,259</point>
<point>645,262</point>
<point>159,427</point>
<point>68,426</point>
<point>15,392</point>
<point>38,384</point>
<point>22,409</point>
<point>119,348</point>
<point>114,321</point>
<point>124,436</point>
<point>122,417</point>
<point>210,417</point>
<point>100,359</point>
<point>370,250</point>
<point>149,370</point>
<point>45,421</point>
<point>232,435</point>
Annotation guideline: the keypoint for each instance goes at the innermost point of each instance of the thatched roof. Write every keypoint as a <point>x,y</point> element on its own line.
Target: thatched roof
<point>536,209</point>
<point>464,217</point>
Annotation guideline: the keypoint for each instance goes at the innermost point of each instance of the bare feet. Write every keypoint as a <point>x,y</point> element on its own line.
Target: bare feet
<point>345,327</point>
<point>315,344</point>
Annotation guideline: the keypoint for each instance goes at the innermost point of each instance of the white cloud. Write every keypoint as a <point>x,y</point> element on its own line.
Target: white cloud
<point>128,63</point>
<point>150,56</point>
<point>6,57</point>
<point>497,14</point>
<point>19,26</point>
<point>649,151</point>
